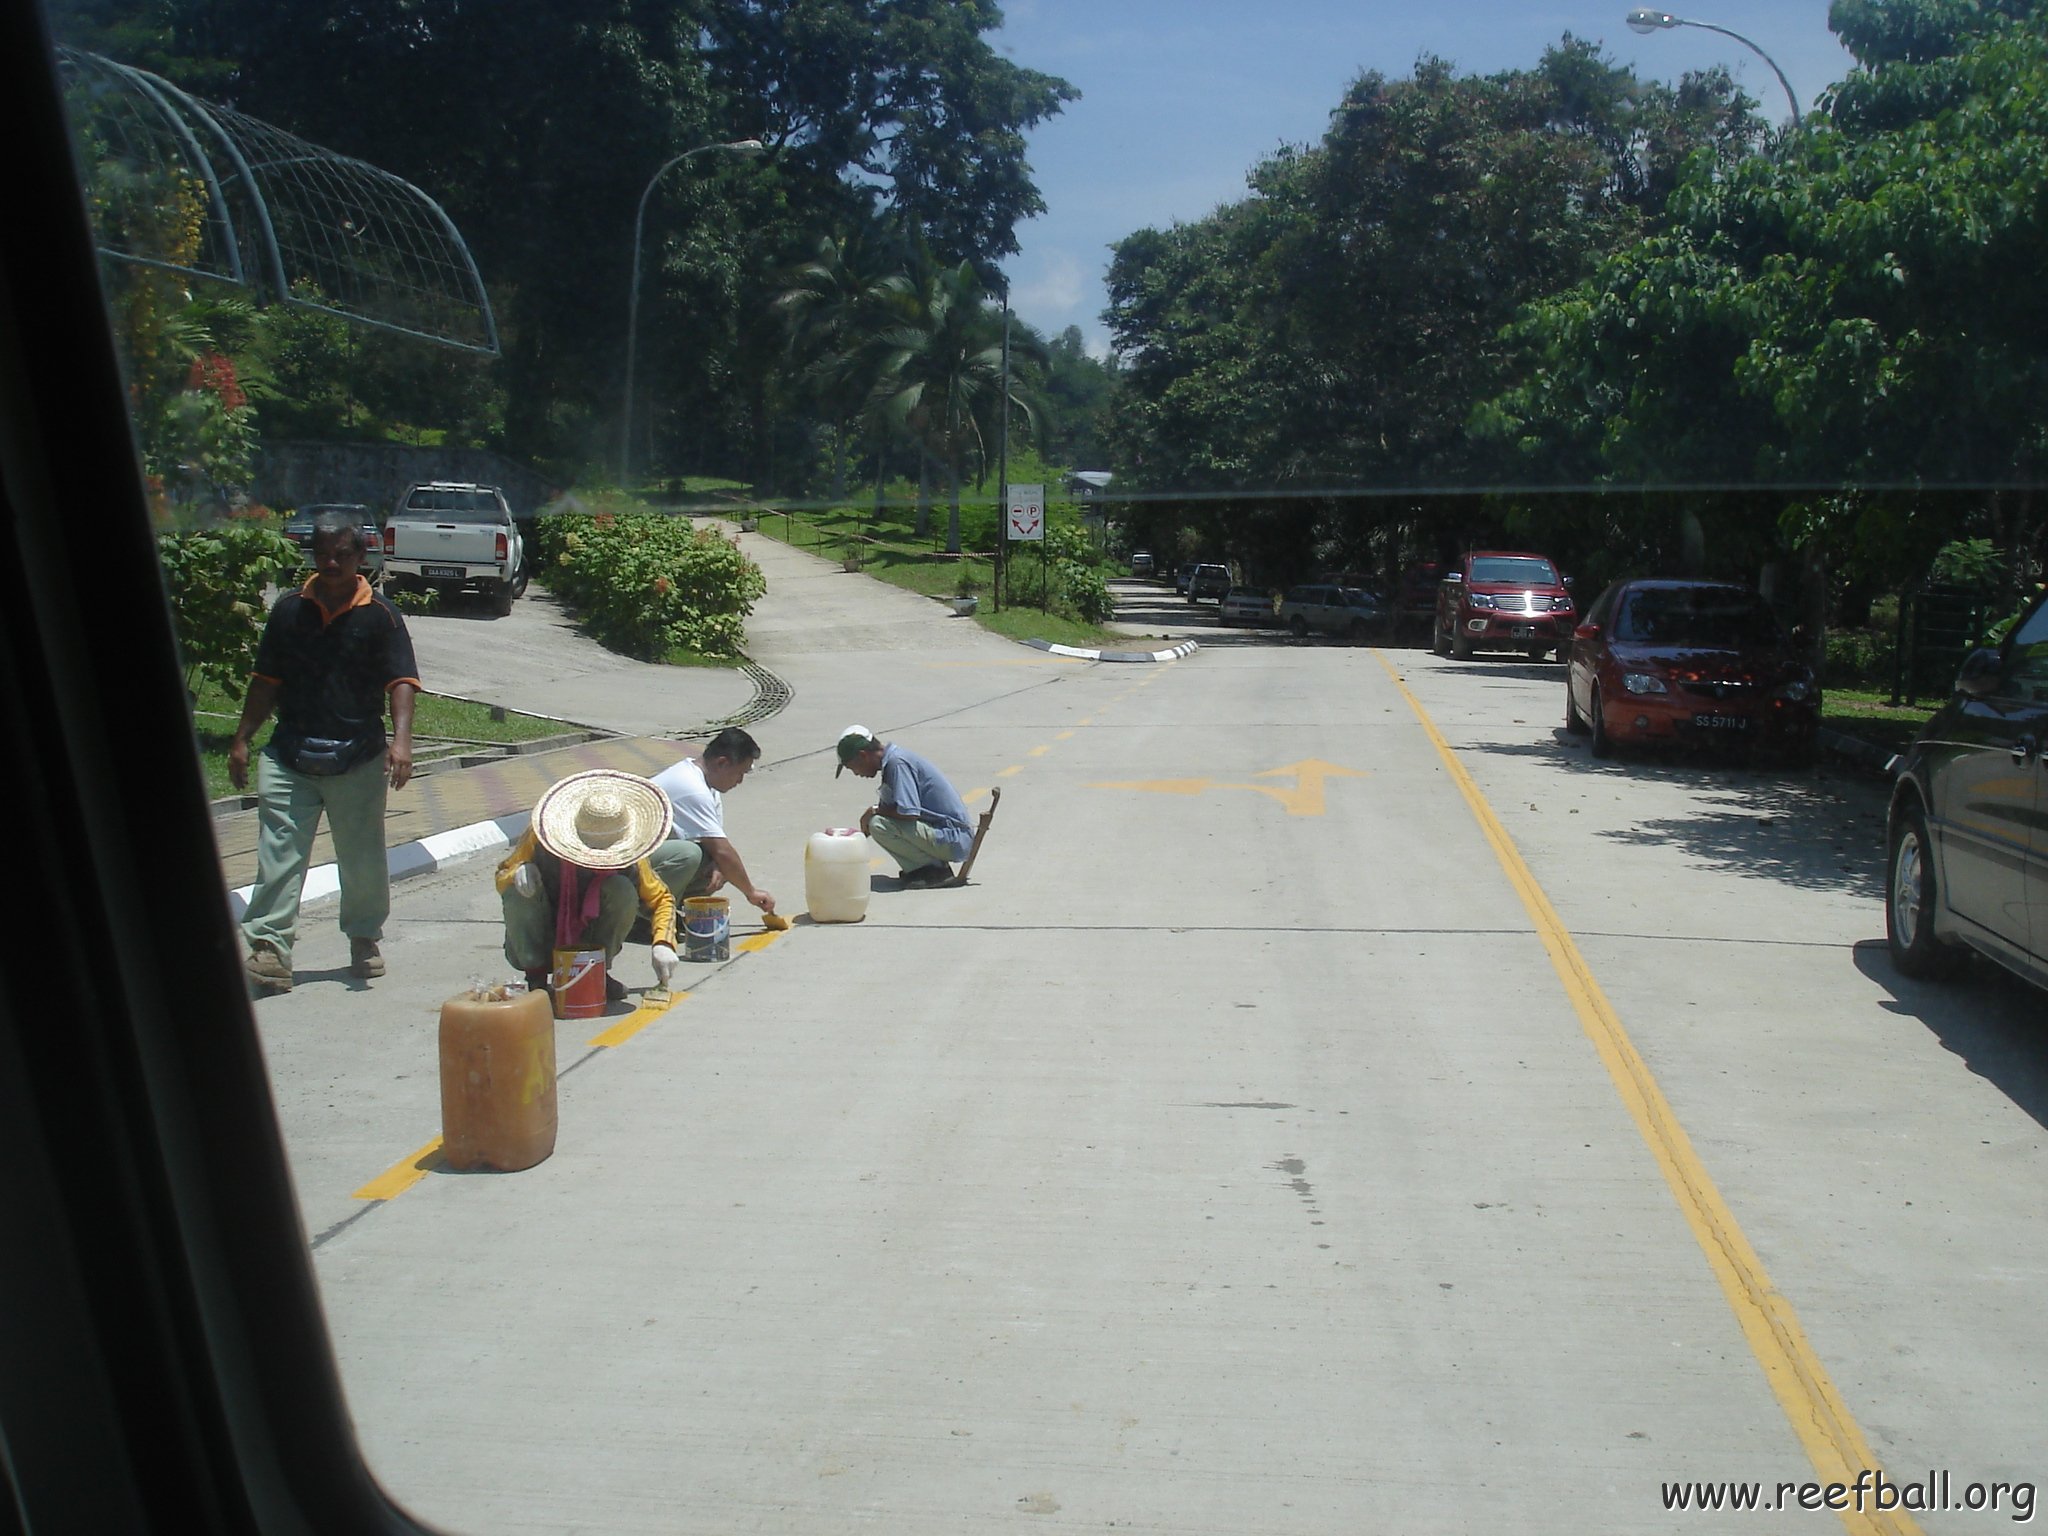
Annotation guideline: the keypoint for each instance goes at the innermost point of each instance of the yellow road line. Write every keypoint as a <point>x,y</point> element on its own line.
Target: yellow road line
<point>1038,751</point>
<point>636,1021</point>
<point>1833,1442</point>
<point>403,1174</point>
<point>972,796</point>
<point>1013,768</point>
<point>1064,736</point>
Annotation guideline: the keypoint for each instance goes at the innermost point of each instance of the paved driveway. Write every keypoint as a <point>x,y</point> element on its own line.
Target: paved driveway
<point>1338,1105</point>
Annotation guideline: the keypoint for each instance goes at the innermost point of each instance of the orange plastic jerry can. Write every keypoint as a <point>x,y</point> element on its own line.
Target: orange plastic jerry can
<point>497,1082</point>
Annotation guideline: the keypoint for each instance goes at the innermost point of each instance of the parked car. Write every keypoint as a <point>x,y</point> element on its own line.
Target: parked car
<point>1330,610</point>
<point>1141,563</point>
<point>1208,581</point>
<point>1693,662</point>
<point>299,529</point>
<point>1968,865</point>
<point>1247,606</point>
<point>1502,600</point>
<point>1415,604</point>
<point>453,535</point>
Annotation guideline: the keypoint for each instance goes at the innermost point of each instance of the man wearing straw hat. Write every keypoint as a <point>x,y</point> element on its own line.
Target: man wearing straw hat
<point>918,816</point>
<point>579,874</point>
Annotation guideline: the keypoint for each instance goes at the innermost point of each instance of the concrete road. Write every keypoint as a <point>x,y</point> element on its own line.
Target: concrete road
<point>1338,1105</point>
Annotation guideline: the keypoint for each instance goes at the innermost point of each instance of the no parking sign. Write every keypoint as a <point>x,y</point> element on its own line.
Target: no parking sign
<point>1027,512</point>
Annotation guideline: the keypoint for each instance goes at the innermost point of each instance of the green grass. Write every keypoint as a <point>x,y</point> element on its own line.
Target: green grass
<point>892,553</point>
<point>1868,715</point>
<point>434,720</point>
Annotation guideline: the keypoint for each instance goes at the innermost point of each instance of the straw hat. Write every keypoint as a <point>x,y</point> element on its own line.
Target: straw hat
<point>603,819</point>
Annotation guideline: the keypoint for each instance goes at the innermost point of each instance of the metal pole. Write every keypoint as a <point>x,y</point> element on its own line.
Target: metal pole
<point>1645,19</point>
<point>739,146</point>
<point>1003,462</point>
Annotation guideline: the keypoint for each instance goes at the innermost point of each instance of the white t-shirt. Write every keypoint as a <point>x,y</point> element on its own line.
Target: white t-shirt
<point>696,810</point>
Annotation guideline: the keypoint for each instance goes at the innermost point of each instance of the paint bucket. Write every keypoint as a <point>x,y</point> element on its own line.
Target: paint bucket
<point>579,983</point>
<point>707,928</point>
<point>498,1082</point>
<point>836,875</point>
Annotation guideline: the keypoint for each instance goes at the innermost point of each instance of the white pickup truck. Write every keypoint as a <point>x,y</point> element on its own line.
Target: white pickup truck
<point>452,536</point>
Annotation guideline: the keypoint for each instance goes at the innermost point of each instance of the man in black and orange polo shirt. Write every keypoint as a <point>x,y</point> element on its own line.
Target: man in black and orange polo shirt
<point>330,655</point>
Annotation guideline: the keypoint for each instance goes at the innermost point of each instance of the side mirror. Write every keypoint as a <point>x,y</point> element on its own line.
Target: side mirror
<point>1457,576</point>
<point>1979,676</point>
<point>1586,632</point>
<point>1567,581</point>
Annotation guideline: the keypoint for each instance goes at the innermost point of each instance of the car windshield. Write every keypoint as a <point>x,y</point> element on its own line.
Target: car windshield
<point>1697,616</point>
<point>1222,1155</point>
<point>456,506</point>
<point>1514,570</point>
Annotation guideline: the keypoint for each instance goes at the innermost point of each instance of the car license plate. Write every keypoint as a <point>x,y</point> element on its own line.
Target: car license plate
<point>1721,722</point>
<point>1523,631</point>
<point>444,570</point>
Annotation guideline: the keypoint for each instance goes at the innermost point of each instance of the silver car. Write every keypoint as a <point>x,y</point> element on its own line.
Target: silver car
<point>1247,606</point>
<point>1330,610</point>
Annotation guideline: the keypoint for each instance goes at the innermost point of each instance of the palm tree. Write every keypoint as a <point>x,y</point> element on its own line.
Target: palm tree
<point>832,305</point>
<point>941,371</point>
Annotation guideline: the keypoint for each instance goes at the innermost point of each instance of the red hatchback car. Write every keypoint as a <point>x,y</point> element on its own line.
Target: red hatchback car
<point>1689,662</point>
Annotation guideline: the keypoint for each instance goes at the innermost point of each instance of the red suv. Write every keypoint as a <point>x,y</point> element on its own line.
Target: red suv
<point>1499,600</point>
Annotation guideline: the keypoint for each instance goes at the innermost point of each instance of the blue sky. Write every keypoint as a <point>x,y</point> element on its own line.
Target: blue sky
<point>1179,98</point>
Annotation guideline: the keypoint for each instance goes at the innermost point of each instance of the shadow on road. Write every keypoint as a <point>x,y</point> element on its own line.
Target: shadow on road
<point>1986,1015</point>
<point>1808,829</point>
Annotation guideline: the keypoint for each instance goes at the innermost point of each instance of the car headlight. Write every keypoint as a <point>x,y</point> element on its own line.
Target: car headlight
<point>1798,691</point>
<point>1643,682</point>
<point>1481,600</point>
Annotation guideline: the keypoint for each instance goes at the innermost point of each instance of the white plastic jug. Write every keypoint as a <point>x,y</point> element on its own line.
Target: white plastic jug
<point>836,875</point>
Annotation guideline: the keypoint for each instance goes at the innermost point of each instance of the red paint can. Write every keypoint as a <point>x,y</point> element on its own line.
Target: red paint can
<point>579,983</point>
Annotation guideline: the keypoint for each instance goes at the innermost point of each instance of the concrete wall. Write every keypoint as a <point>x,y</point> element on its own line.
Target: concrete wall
<point>290,474</point>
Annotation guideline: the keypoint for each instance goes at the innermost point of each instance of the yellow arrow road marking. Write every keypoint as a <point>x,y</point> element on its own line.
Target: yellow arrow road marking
<point>1305,798</point>
<point>1163,786</point>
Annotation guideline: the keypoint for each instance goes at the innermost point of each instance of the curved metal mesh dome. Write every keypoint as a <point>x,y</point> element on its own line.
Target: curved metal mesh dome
<point>178,183</point>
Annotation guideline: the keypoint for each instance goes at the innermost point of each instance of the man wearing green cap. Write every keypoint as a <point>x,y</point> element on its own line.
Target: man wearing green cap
<point>918,817</point>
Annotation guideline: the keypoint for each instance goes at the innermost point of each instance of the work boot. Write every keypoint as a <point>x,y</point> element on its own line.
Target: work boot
<point>267,968</point>
<point>614,989</point>
<point>364,958</point>
<point>928,874</point>
<point>541,981</point>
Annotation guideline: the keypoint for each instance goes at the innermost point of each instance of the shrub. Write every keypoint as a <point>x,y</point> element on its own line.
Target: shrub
<point>645,584</point>
<point>1858,658</point>
<point>214,577</point>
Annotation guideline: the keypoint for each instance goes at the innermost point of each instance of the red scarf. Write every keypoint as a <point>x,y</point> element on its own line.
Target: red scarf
<point>576,910</point>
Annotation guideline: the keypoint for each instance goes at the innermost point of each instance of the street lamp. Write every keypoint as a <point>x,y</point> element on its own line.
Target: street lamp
<point>737,146</point>
<point>1645,20</point>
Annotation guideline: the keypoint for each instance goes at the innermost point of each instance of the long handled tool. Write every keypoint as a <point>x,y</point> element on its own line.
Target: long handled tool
<point>995,798</point>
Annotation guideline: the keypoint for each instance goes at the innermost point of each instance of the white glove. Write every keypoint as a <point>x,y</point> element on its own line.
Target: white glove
<point>526,881</point>
<point>664,965</point>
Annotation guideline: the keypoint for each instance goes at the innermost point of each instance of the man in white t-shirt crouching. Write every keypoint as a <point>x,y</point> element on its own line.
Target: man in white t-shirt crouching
<point>697,858</point>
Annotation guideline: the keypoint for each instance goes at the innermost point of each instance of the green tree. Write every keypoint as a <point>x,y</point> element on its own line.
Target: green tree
<point>1858,311</point>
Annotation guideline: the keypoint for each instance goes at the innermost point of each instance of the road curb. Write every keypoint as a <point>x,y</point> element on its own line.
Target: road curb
<point>1856,750</point>
<point>1185,648</point>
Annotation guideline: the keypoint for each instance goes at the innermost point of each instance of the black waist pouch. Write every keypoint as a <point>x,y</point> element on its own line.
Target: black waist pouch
<point>321,757</point>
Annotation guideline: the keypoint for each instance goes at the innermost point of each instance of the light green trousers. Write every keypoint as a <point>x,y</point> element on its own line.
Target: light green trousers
<point>530,924</point>
<point>912,844</point>
<point>681,866</point>
<point>288,810</point>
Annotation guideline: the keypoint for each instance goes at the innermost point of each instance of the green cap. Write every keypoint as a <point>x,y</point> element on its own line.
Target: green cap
<point>853,741</point>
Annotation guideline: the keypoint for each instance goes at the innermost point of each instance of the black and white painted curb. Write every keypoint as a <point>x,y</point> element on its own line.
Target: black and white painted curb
<point>407,860</point>
<point>1185,648</point>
